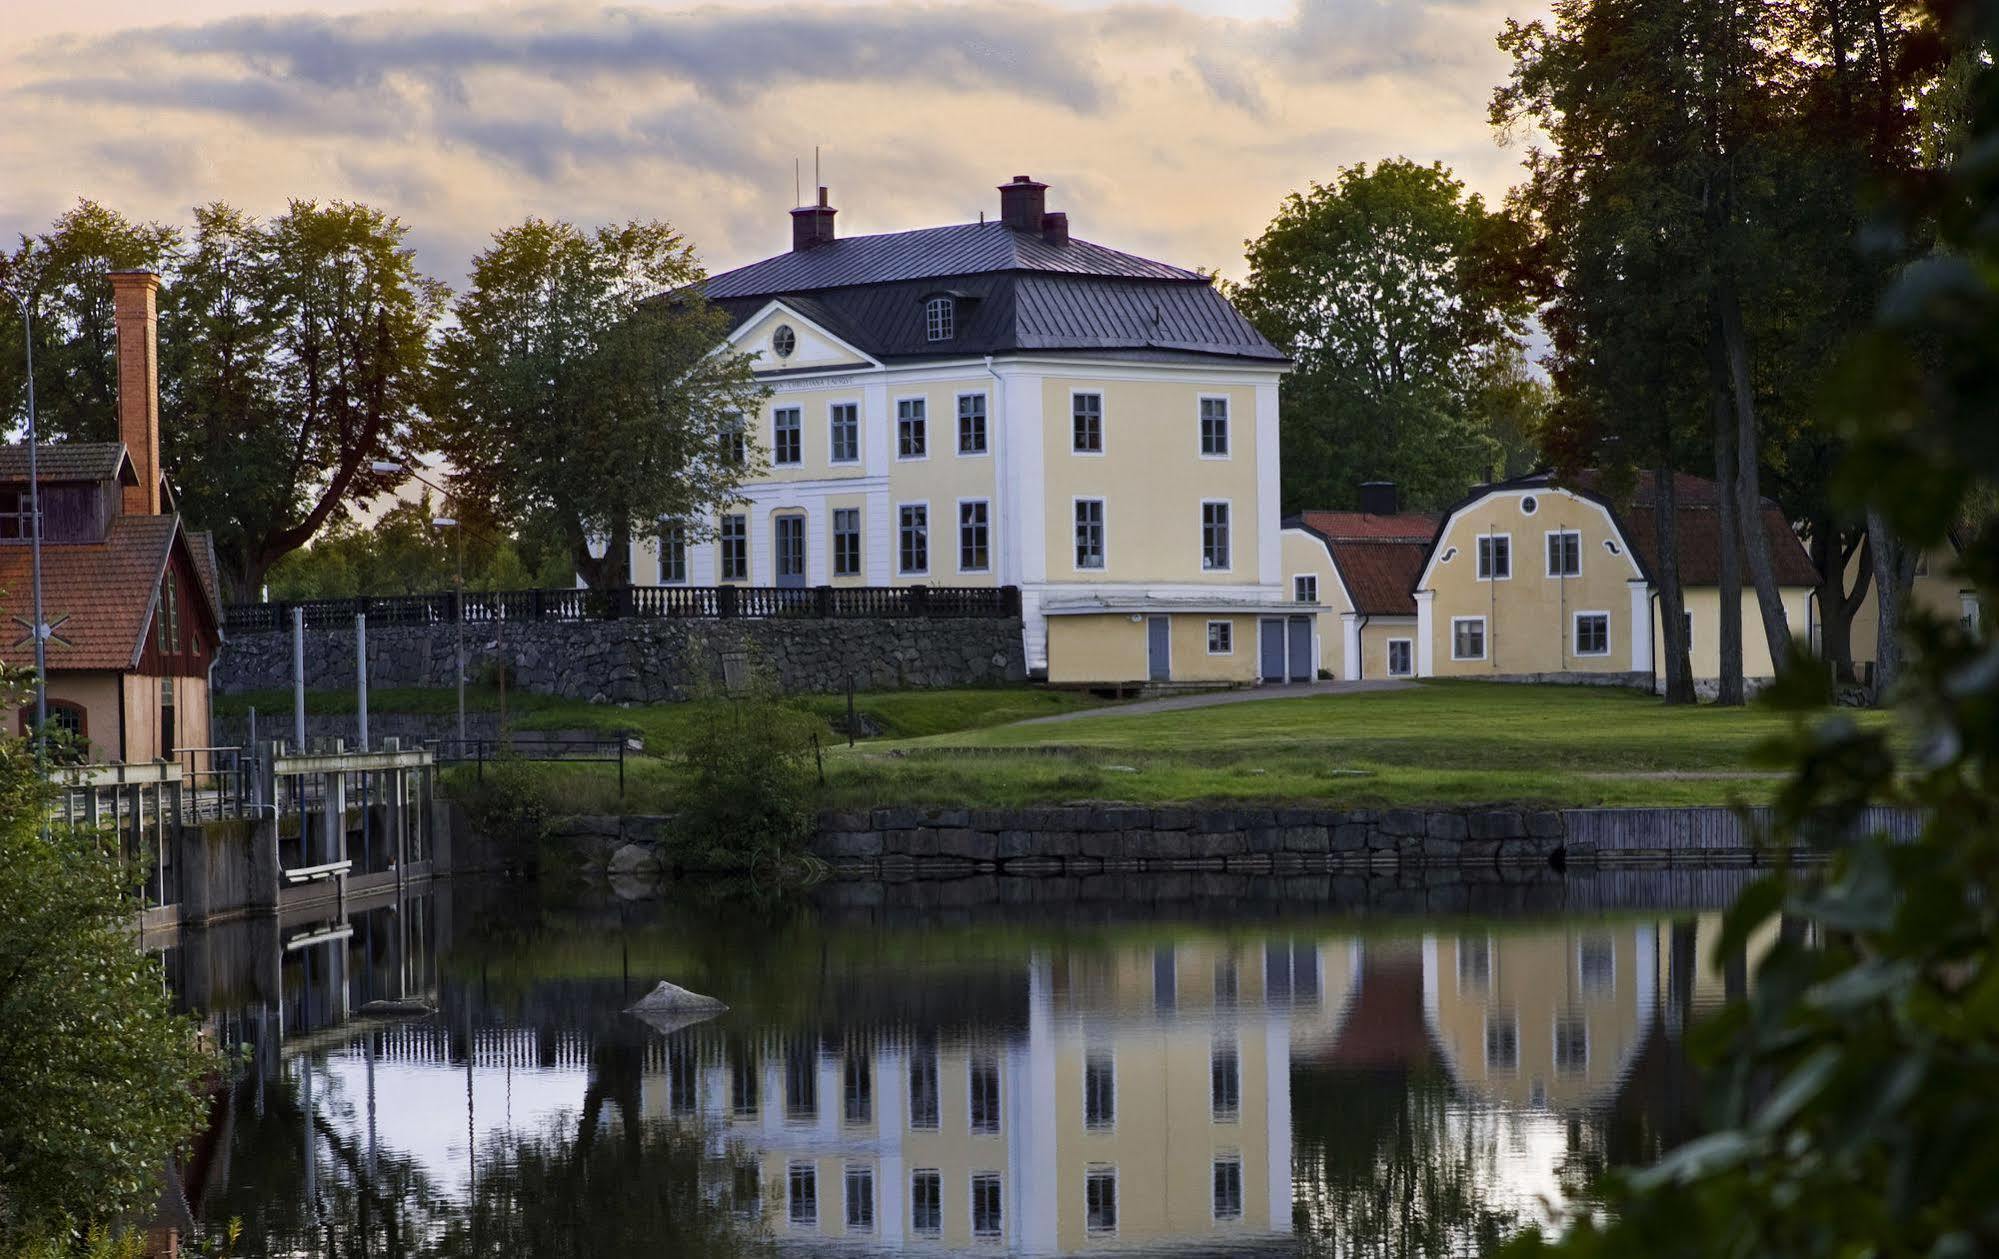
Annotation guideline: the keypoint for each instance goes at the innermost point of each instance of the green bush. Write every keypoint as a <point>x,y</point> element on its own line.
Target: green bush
<point>506,804</point>
<point>752,782</point>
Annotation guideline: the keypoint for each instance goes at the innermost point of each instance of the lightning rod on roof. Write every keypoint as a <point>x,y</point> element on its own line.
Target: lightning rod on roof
<point>797,187</point>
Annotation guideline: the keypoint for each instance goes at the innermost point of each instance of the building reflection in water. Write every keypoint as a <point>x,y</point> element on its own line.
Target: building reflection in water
<point>1218,1091</point>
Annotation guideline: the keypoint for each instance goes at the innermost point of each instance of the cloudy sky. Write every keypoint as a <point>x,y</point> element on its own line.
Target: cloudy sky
<point>1167,127</point>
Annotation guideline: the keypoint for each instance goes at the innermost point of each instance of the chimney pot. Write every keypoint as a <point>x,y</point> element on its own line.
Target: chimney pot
<point>135,309</point>
<point>1055,228</point>
<point>812,224</point>
<point>1023,203</point>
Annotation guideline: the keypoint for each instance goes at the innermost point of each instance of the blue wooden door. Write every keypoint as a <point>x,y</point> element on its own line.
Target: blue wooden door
<point>1158,649</point>
<point>1270,649</point>
<point>1301,649</point>
<point>789,547</point>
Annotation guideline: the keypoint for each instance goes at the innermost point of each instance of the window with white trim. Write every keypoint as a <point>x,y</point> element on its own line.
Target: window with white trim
<point>1100,1200</point>
<point>1305,588</point>
<point>860,1198</point>
<point>1468,638</point>
<point>1215,427</point>
<point>1571,1043</point>
<point>1401,658</point>
<point>913,539</point>
<point>735,440</point>
<point>1596,965</point>
<point>940,319</point>
<point>787,444</point>
<point>1228,1187</point>
<point>802,1194</point>
<point>983,1093</point>
<point>735,545</point>
<point>972,424</point>
<point>986,1209</point>
<point>1224,1081</point>
<point>845,437</point>
<point>1215,536</point>
<point>912,438</point>
<point>1099,1090</point>
<point>1565,553</point>
<point>925,1103</point>
<point>1086,419</point>
<point>974,535</point>
<point>846,542</point>
<point>673,553</point>
<point>1495,556</point>
<point>1592,634</point>
<point>1089,533</point>
<point>1221,638</point>
<point>926,1202</point>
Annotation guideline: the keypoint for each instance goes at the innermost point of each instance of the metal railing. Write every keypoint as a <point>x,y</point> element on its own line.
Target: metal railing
<point>619,602</point>
<point>481,752</point>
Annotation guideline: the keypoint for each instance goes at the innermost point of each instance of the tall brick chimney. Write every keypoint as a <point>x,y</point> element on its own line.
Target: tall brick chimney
<point>812,224</point>
<point>1023,202</point>
<point>135,300</point>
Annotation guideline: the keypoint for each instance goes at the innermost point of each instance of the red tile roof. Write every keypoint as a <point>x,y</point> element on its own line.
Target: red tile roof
<point>1407,527</point>
<point>1380,575</point>
<point>104,589</point>
<point>1697,524</point>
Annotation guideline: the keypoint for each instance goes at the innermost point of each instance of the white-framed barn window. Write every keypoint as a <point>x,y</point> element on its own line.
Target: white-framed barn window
<point>1467,638</point>
<point>940,319</point>
<point>1305,588</point>
<point>1565,553</point>
<point>1592,636</point>
<point>1495,556</point>
<point>1221,638</point>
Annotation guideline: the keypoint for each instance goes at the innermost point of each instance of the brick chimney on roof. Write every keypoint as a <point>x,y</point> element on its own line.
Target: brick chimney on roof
<point>1023,202</point>
<point>135,305</point>
<point>812,224</point>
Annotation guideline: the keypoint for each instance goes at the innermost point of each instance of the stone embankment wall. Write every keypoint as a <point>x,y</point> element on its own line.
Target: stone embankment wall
<point>641,660</point>
<point>413,729</point>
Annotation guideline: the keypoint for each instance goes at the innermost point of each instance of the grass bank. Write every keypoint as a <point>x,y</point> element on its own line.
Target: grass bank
<point>1436,743</point>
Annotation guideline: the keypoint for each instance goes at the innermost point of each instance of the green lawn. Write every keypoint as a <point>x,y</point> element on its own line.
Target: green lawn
<point>1435,743</point>
<point>1445,742</point>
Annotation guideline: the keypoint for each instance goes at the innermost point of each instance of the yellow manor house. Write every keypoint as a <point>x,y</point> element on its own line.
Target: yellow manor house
<point>1000,403</point>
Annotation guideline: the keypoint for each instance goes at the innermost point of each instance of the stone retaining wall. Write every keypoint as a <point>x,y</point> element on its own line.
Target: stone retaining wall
<point>642,660</point>
<point>1086,837</point>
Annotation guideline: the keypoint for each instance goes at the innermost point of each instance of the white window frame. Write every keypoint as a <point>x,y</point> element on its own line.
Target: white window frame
<point>1103,423</point>
<point>1228,628</point>
<point>1575,636</point>
<point>797,429</point>
<point>1484,642</point>
<point>1233,1115</point>
<point>900,508</point>
<point>1547,556</point>
<point>940,318</point>
<point>1296,595</point>
<point>1408,645</point>
<point>848,1172</point>
<point>833,426</point>
<point>791,1168</point>
<point>1110,1053</point>
<point>972,1180</point>
<point>860,541</point>
<point>1492,1018</point>
<point>1555,1043</point>
<point>1216,1159</point>
<point>1228,529</point>
<point>1099,1171</point>
<point>986,503</point>
<point>1103,535</point>
<point>922,402</point>
<point>676,529</point>
<point>735,441</point>
<point>1480,554</point>
<point>985,424</point>
<point>722,546</point>
<point>999,1093</point>
<point>1228,427</point>
<point>937,1177</point>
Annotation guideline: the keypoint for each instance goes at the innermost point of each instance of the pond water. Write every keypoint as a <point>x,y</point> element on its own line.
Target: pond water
<point>1149,1065</point>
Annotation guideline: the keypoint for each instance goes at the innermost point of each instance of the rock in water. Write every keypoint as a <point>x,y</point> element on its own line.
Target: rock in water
<point>669,1007</point>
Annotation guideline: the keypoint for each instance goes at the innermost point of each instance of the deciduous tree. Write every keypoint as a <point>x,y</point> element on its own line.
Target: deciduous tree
<point>586,378</point>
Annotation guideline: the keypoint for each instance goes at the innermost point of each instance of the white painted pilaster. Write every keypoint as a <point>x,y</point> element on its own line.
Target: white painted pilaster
<point>1036,1194</point>
<point>1350,646</point>
<point>1277,1111</point>
<point>1641,626</point>
<point>1269,519</point>
<point>1426,633</point>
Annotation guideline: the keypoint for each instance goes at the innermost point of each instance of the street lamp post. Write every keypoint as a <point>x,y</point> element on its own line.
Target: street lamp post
<point>40,629</point>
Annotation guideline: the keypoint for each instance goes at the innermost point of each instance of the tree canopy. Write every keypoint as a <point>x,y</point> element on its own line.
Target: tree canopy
<point>583,380</point>
<point>1403,300</point>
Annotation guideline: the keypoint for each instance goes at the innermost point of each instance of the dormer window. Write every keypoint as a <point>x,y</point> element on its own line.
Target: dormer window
<point>940,318</point>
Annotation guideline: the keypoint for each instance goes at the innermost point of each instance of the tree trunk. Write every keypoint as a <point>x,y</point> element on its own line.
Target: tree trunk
<point>1729,690</point>
<point>613,568</point>
<point>1748,479</point>
<point>1672,602</point>
<point>1830,557</point>
<point>1894,574</point>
